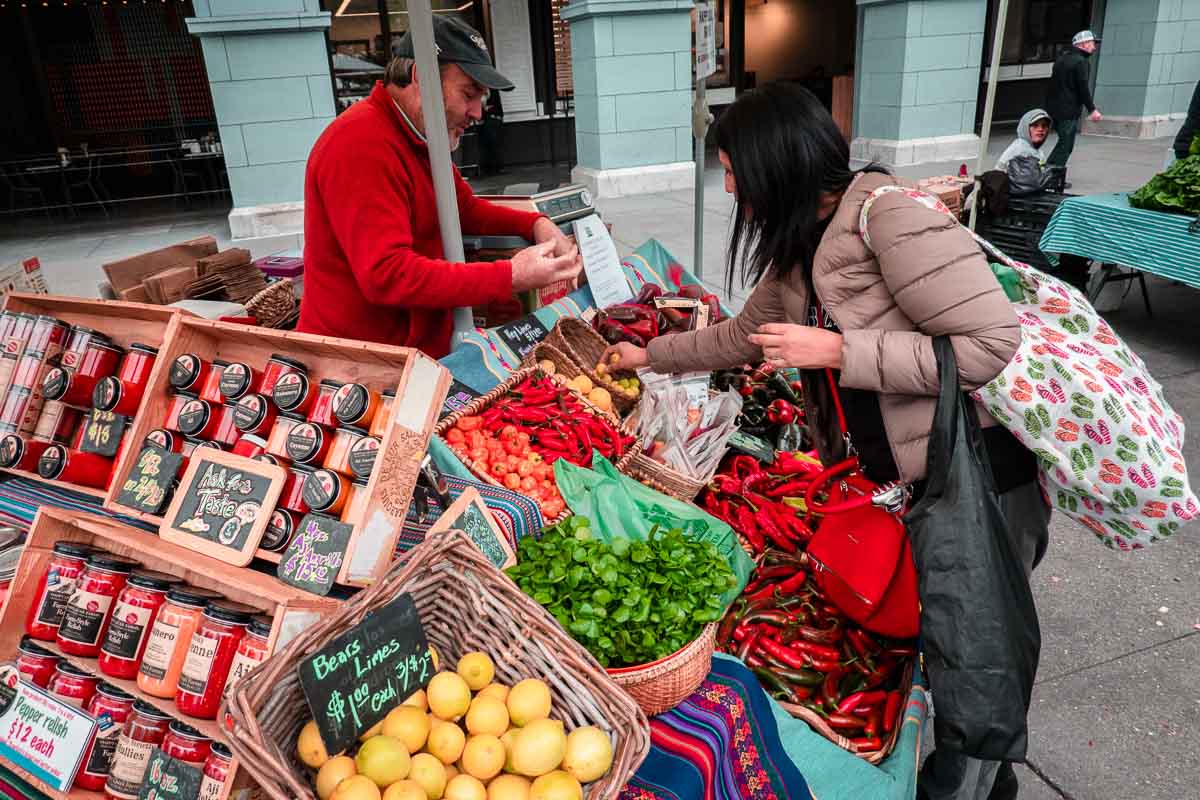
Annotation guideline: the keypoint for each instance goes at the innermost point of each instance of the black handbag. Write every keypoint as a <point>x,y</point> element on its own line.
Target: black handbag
<point>978,621</point>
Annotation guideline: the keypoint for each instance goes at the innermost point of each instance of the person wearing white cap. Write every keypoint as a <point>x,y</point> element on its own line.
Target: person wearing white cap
<point>1069,90</point>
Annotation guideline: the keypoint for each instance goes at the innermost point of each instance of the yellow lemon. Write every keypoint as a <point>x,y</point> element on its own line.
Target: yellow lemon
<point>384,760</point>
<point>477,670</point>
<point>487,715</point>
<point>507,740</point>
<point>539,747</point>
<point>508,787</point>
<point>483,757</point>
<point>405,790</point>
<point>357,787</point>
<point>309,746</point>
<point>464,787</point>
<point>430,773</point>
<point>556,785</point>
<point>496,690</point>
<point>333,772</point>
<point>446,741</point>
<point>449,696</point>
<point>409,724</point>
<point>374,730</point>
<point>588,755</point>
<point>527,701</point>
<point>417,699</point>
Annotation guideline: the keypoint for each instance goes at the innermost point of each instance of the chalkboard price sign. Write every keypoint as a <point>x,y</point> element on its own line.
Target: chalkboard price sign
<point>523,335</point>
<point>169,778</point>
<point>102,432</point>
<point>223,505</point>
<point>471,515</point>
<point>457,397</point>
<point>315,555</point>
<point>151,481</point>
<point>355,680</point>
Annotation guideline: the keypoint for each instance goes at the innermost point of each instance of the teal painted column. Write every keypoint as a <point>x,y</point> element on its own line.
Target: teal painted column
<point>268,68</point>
<point>1149,62</point>
<point>632,69</point>
<point>918,80</point>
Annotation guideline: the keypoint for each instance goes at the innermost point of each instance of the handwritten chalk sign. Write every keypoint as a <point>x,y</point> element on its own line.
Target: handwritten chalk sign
<point>169,778</point>
<point>457,397</point>
<point>523,335</point>
<point>102,432</point>
<point>151,482</point>
<point>471,515</point>
<point>40,733</point>
<point>355,680</point>
<point>223,505</point>
<point>315,555</point>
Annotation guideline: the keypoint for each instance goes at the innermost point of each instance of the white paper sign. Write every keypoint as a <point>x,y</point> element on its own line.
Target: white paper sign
<point>706,41</point>
<point>41,734</point>
<point>601,263</point>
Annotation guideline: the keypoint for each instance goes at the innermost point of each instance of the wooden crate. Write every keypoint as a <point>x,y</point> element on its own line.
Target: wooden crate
<point>125,323</point>
<point>293,609</point>
<point>420,384</point>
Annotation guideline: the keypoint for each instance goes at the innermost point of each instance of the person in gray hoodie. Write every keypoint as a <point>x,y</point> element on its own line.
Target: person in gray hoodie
<point>1025,159</point>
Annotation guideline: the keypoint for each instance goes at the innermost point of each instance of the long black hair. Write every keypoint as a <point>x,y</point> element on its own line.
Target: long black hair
<point>786,152</point>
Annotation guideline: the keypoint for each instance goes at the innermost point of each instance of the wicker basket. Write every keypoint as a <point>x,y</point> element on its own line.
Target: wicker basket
<point>661,685</point>
<point>274,304</point>
<point>579,341</point>
<point>662,478</point>
<point>563,364</point>
<point>465,604</point>
<point>818,724</point>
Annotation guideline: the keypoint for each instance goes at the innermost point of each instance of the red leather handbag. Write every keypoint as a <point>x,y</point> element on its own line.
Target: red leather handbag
<point>860,551</point>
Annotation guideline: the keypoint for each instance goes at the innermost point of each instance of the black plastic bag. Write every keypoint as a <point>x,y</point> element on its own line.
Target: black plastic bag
<point>978,621</point>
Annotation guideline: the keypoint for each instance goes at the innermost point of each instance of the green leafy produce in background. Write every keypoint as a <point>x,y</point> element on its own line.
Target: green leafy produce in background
<point>1177,190</point>
<point>627,601</point>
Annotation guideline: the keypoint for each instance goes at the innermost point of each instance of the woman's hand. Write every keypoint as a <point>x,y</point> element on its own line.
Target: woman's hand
<point>629,356</point>
<point>799,346</point>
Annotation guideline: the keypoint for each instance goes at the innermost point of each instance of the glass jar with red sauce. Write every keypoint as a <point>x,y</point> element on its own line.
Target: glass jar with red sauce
<point>210,390</point>
<point>122,393</point>
<point>278,366</point>
<point>191,444</point>
<point>21,452</point>
<point>239,379</point>
<point>269,458</point>
<point>170,635</point>
<point>35,663</point>
<point>201,419</point>
<point>111,707</point>
<point>175,405</point>
<point>189,372</point>
<point>277,441</point>
<point>252,650</point>
<point>163,439</point>
<point>216,772</point>
<point>338,457</point>
<point>255,414</point>
<point>77,344</point>
<point>356,404</point>
<point>363,455</point>
<point>210,656</point>
<point>292,495</point>
<point>308,443</point>
<point>186,743</point>
<point>85,620</point>
<point>144,730</point>
<point>356,507</point>
<point>129,629</point>
<point>75,387</point>
<point>59,463</point>
<point>250,446</point>
<point>383,415</point>
<point>294,393</point>
<point>72,685</point>
<point>321,411</point>
<point>280,528</point>
<point>327,492</point>
<point>57,422</point>
<point>55,587</point>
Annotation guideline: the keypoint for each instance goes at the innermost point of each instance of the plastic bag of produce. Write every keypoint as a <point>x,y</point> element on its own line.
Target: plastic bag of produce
<point>618,505</point>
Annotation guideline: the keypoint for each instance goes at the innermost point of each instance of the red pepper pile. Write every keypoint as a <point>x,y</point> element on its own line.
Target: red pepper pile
<point>806,652</point>
<point>753,500</point>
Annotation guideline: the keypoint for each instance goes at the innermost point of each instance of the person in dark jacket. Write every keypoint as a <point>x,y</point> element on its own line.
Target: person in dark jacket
<point>1070,89</point>
<point>1191,127</point>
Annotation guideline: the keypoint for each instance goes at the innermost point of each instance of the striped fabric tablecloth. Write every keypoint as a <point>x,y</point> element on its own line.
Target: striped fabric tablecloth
<point>1106,229</point>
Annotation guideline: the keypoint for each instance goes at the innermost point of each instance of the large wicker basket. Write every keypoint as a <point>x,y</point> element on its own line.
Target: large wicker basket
<point>661,685</point>
<point>578,340</point>
<point>274,305</point>
<point>465,604</point>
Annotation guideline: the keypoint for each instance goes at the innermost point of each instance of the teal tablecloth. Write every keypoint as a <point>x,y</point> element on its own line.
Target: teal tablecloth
<point>1106,229</point>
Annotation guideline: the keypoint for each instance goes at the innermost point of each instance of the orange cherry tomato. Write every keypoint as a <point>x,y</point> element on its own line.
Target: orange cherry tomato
<point>508,432</point>
<point>512,480</point>
<point>476,439</point>
<point>479,454</point>
<point>499,469</point>
<point>523,437</point>
<point>525,469</point>
<point>512,461</point>
<point>513,446</point>
<point>535,456</point>
<point>455,436</point>
<point>470,423</point>
<point>553,508</point>
<point>527,484</point>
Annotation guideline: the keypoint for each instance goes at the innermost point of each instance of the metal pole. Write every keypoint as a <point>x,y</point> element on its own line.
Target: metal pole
<point>433,109</point>
<point>701,119</point>
<point>989,105</point>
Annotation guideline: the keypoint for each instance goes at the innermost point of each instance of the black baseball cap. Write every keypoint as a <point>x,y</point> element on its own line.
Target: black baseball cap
<point>458,43</point>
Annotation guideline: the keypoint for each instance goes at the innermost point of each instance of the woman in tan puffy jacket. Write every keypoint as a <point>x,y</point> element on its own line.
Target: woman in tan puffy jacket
<point>824,300</point>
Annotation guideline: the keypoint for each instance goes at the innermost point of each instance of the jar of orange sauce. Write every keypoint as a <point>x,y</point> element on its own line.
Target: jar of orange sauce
<point>174,624</point>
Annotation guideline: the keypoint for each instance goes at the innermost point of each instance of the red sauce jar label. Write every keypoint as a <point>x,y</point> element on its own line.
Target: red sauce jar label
<point>362,456</point>
<point>156,659</point>
<point>198,663</point>
<point>162,438</point>
<point>304,442</point>
<point>128,767</point>
<point>104,746</point>
<point>84,617</point>
<point>321,489</point>
<point>55,384</point>
<point>250,412</point>
<point>126,629</point>
<point>185,369</point>
<point>107,393</point>
<point>290,390</point>
<point>193,417</point>
<point>279,530</point>
<point>236,380</point>
<point>12,447</point>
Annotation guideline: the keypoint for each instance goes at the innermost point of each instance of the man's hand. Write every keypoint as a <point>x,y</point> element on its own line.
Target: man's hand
<point>546,231</point>
<point>535,267</point>
<point>1096,116</point>
<point>799,346</point>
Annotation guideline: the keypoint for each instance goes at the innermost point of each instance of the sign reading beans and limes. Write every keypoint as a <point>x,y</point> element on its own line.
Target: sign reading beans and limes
<point>355,680</point>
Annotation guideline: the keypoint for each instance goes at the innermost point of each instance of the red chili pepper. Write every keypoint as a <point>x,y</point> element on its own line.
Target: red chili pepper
<point>891,710</point>
<point>908,651</point>
<point>829,688</point>
<point>747,526</point>
<point>861,700</point>
<point>831,635</point>
<point>742,466</point>
<point>749,644</point>
<point>793,488</point>
<point>782,653</point>
<point>867,744</point>
<point>818,651</point>
<point>845,722</point>
<point>768,527</point>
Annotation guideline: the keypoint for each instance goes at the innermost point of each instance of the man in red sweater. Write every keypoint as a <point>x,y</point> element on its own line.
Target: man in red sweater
<point>373,261</point>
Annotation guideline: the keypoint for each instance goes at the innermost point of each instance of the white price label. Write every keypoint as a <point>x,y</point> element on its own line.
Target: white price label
<point>41,734</point>
<point>601,263</point>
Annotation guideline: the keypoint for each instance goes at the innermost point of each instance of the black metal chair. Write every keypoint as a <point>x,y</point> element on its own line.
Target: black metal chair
<point>186,171</point>
<point>90,183</point>
<point>19,186</point>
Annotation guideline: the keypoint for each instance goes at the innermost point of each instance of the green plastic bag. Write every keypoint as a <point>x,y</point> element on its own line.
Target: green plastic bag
<point>617,505</point>
<point>1010,281</point>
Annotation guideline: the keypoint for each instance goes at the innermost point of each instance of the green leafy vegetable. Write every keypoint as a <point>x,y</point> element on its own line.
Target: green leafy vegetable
<point>628,602</point>
<point>1177,190</point>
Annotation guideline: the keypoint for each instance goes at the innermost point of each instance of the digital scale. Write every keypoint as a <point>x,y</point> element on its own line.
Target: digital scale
<point>560,205</point>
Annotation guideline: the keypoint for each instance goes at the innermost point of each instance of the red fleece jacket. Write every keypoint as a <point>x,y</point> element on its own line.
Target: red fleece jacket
<point>373,262</point>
